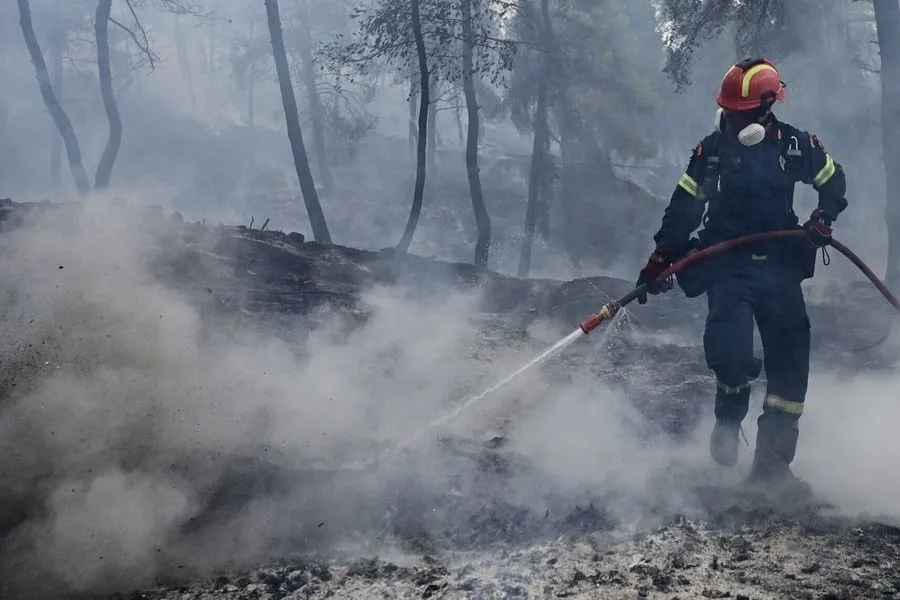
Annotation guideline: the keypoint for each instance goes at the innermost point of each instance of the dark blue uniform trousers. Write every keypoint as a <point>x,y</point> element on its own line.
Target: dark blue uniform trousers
<point>767,290</point>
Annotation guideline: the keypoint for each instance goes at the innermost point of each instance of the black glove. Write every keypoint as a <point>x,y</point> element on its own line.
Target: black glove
<point>656,264</point>
<point>818,228</point>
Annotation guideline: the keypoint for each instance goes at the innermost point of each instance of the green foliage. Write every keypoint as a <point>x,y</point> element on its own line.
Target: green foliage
<point>772,28</point>
<point>593,78</point>
<point>346,115</point>
<point>384,37</point>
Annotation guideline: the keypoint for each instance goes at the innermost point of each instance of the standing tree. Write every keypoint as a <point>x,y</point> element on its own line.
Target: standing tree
<point>586,100</point>
<point>59,39</point>
<point>419,191</point>
<point>184,62</point>
<point>111,150</point>
<point>887,21</point>
<point>312,96</point>
<point>412,105</point>
<point>461,42</point>
<point>5,40</point>
<point>102,19</point>
<point>139,37</point>
<point>541,29</point>
<point>292,120</point>
<point>250,56</point>
<point>63,124</point>
<point>482,218</point>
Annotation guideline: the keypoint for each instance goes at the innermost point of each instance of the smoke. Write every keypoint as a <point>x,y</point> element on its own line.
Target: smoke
<point>136,438</point>
<point>122,413</point>
<point>109,527</point>
<point>849,443</point>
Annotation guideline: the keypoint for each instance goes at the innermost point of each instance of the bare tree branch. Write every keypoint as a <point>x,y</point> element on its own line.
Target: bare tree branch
<point>146,50</point>
<point>145,45</point>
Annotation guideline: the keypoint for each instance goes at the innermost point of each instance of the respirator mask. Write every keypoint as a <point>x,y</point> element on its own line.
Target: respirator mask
<point>750,131</point>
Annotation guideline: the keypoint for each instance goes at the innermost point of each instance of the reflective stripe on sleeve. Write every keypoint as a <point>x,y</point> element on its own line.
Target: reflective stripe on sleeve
<point>825,173</point>
<point>688,184</point>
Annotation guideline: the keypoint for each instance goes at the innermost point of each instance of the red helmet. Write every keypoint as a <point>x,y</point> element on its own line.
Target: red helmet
<point>750,84</point>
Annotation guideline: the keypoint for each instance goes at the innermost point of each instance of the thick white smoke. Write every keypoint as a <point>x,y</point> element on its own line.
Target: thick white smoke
<point>123,411</point>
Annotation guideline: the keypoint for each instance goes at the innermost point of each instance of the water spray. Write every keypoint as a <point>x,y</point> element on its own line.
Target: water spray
<point>611,309</point>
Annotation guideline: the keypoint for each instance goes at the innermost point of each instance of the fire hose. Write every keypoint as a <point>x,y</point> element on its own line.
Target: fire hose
<point>609,310</point>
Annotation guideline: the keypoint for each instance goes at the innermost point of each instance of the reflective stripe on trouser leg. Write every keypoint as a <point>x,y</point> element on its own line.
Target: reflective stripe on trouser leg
<point>776,440</point>
<point>785,332</point>
<point>731,390</point>
<point>732,407</point>
<point>733,401</point>
<point>777,403</point>
<point>777,433</point>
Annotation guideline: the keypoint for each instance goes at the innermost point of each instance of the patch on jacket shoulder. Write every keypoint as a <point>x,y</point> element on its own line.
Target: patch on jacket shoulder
<point>814,141</point>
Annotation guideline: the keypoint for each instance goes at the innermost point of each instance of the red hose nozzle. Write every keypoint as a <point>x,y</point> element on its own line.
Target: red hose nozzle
<point>604,314</point>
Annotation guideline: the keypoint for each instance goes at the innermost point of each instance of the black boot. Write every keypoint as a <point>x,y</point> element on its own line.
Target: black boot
<point>776,443</point>
<point>724,442</point>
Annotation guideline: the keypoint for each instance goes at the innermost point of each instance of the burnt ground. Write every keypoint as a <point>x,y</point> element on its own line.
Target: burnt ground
<point>703,537</point>
<point>766,558</point>
<point>732,546</point>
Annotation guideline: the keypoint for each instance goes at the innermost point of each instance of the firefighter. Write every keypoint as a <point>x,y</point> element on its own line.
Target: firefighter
<point>740,180</point>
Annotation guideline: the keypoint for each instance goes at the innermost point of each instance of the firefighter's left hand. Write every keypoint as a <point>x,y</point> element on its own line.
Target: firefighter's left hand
<point>649,275</point>
<point>818,228</point>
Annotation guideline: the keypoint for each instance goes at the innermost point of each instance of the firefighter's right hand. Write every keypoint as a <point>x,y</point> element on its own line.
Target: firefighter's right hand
<point>656,264</point>
<point>818,228</point>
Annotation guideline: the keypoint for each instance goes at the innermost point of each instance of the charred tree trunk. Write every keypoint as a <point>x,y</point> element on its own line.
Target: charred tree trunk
<point>535,178</point>
<point>59,39</point>
<point>482,218</point>
<point>4,101</point>
<point>422,133</point>
<point>457,111</point>
<point>4,106</point>
<point>251,102</point>
<point>545,198</point>
<point>315,103</point>
<point>432,123</point>
<point>413,106</point>
<point>184,61</point>
<point>432,138</point>
<point>63,124</point>
<point>539,146</point>
<point>209,90</point>
<point>108,159</point>
<point>292,120</point>
<point>887,20</point>
<point>567,184</point>
<point>251,85</point>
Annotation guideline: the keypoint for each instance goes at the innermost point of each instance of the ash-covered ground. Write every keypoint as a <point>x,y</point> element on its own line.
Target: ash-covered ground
<point>186,409</point>
<point>766,558</point>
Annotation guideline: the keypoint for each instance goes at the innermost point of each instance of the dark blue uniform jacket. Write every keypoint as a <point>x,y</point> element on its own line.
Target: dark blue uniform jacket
<point>754,190</point>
